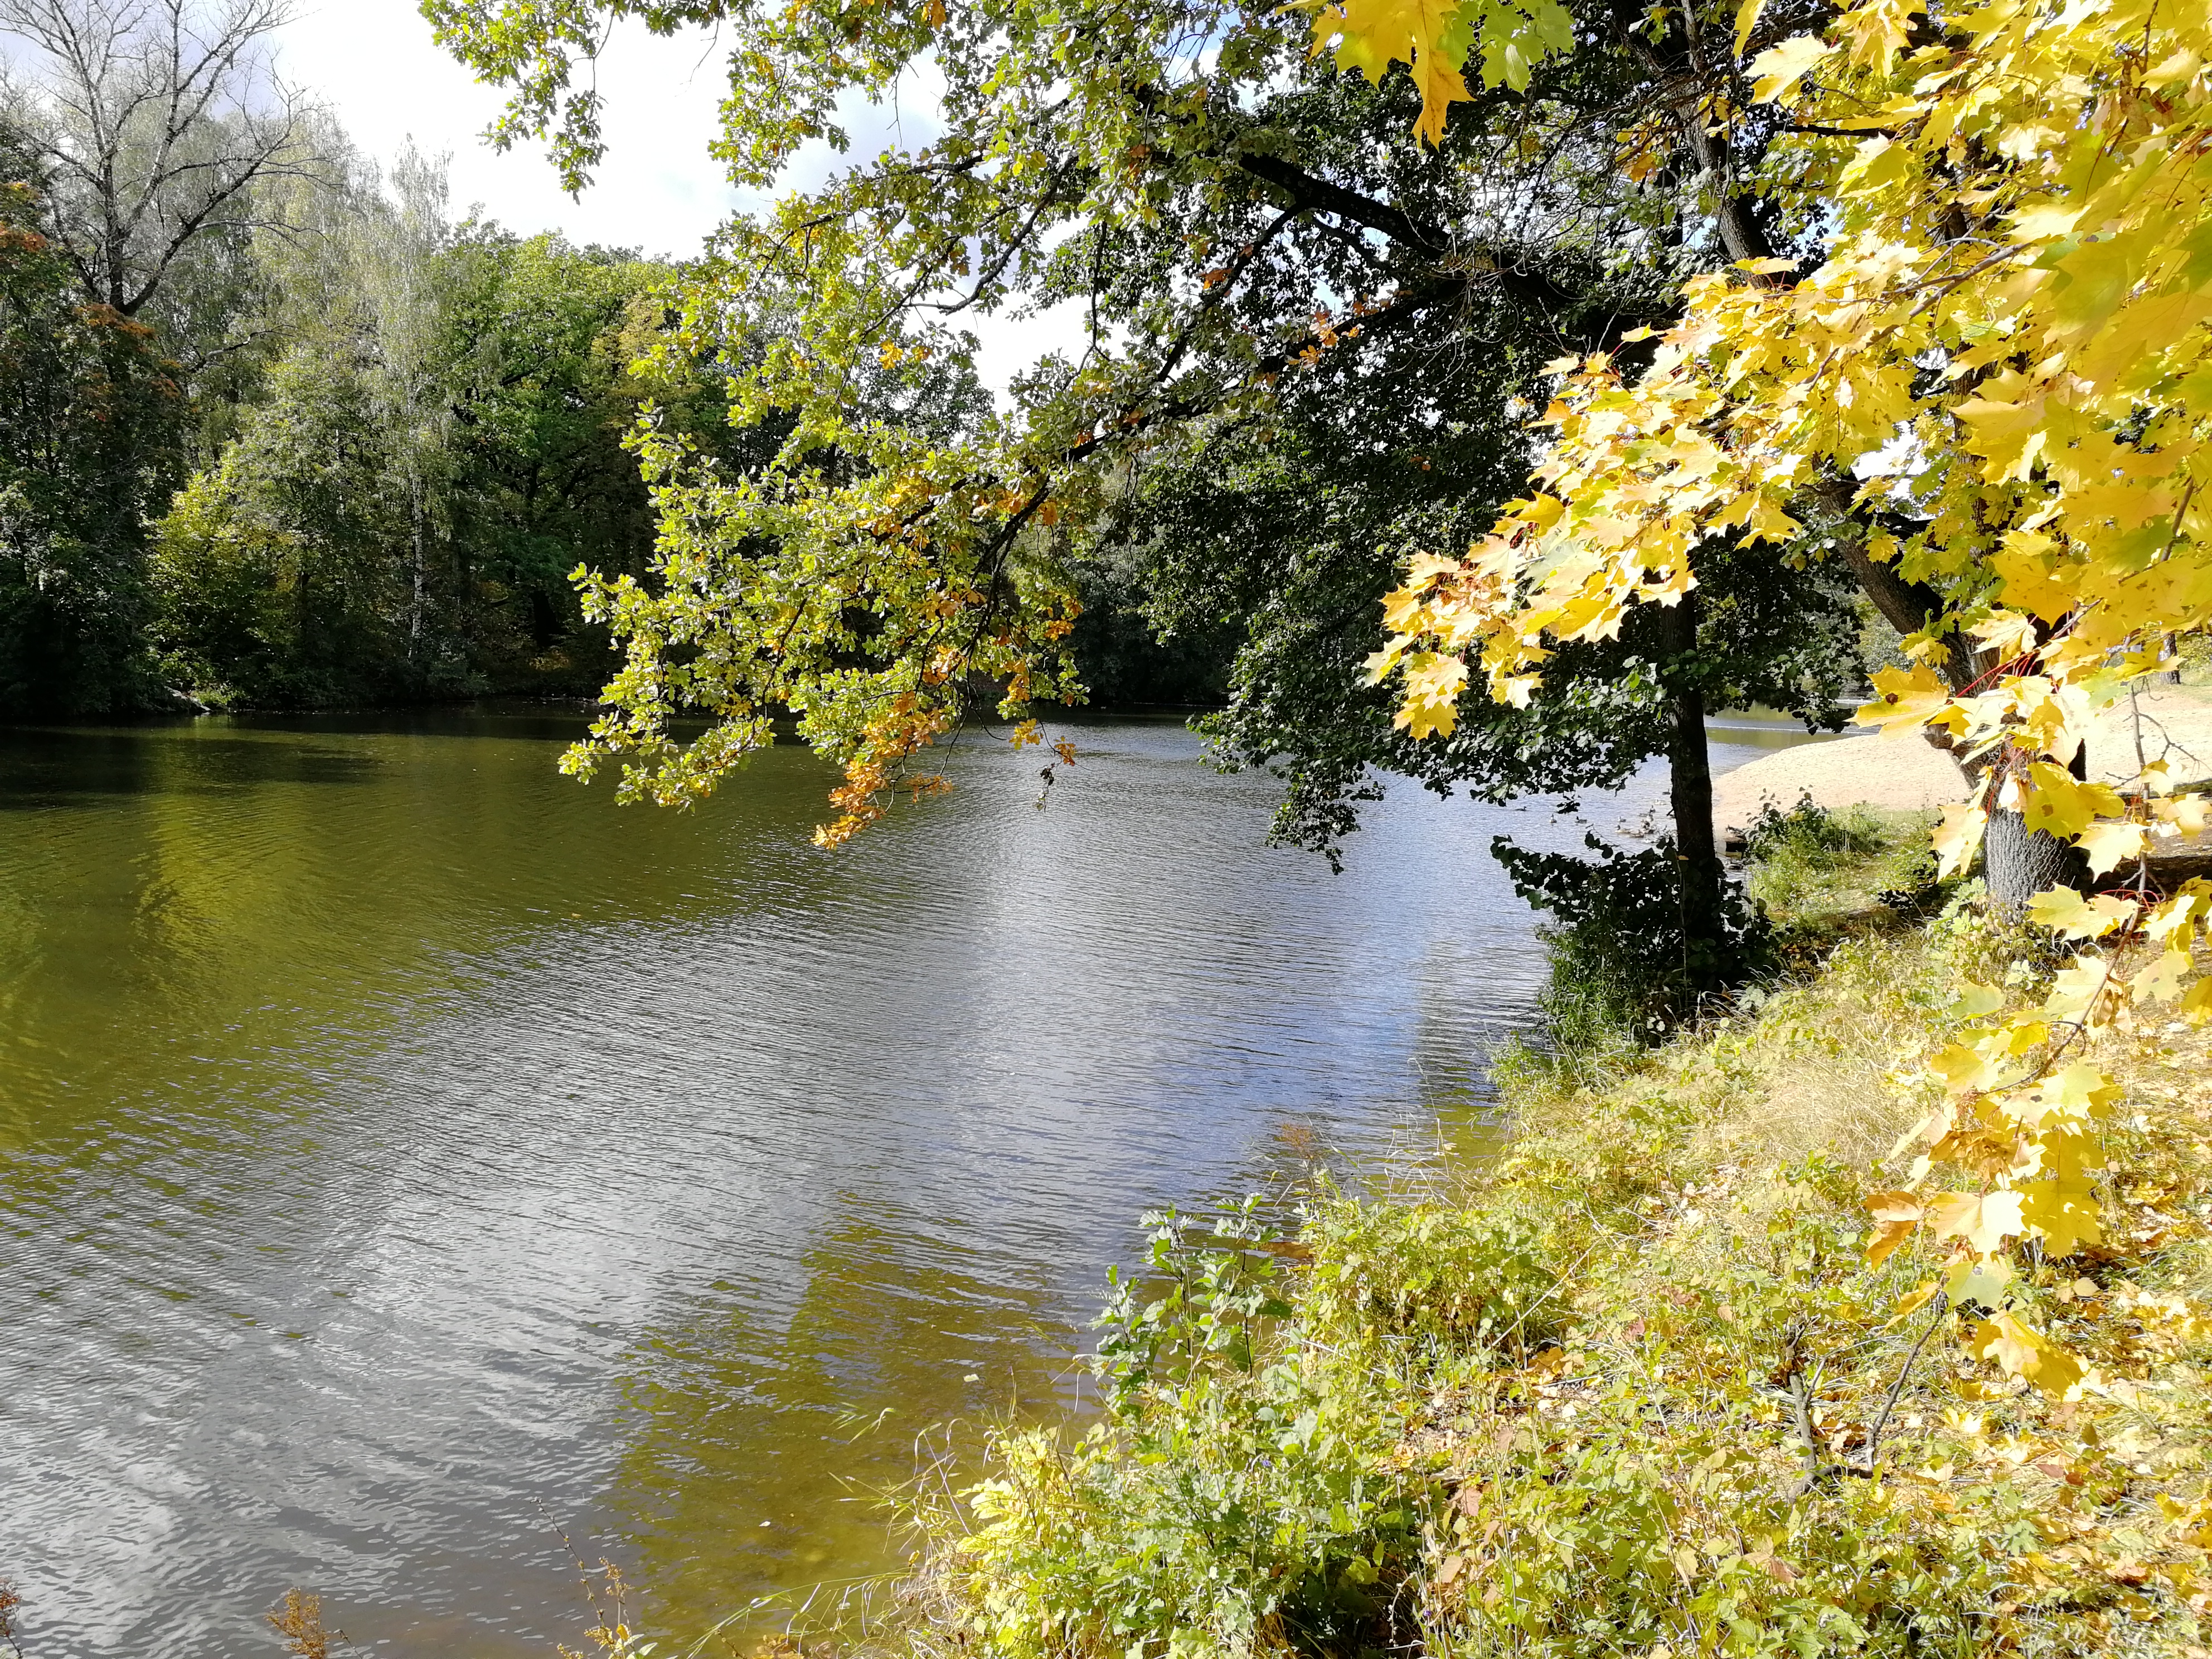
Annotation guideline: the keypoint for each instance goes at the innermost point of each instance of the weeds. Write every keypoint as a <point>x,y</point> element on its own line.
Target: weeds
<point>299,1622</point>
<point>1823,873</point>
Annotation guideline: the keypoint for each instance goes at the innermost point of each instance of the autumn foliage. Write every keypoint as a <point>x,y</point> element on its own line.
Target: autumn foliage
<point>2000,364</point>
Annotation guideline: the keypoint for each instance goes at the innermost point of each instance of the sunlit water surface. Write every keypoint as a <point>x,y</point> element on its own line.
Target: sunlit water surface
<point>408,1156</point>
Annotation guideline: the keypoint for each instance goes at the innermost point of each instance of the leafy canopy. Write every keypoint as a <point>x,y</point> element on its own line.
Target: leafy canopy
<point>1192,174</point>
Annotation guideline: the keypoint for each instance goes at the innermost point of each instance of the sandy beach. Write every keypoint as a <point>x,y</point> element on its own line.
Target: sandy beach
<point>1906,774</point>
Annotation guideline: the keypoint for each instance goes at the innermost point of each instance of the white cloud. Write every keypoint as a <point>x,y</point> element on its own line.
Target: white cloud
<point>373,62</point>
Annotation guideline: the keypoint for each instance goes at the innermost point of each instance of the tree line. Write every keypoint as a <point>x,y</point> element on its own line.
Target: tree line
<point>277,429</point>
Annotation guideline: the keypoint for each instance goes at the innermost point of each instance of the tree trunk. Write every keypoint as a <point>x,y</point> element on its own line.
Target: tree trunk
<point>2018,864</point>
<point>414,515</point>
<point>1697,855</point>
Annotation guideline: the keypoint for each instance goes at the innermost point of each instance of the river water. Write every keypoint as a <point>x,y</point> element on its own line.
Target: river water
<point>408,1157</point>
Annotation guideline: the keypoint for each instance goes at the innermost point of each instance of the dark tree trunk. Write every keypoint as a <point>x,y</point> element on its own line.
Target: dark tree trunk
<point>1696,854</point>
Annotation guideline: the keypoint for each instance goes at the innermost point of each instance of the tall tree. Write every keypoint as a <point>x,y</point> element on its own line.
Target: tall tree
<point>89,414</point>
<point>2002,345</point>
<point>1236,223</point>
<point>154,122</point>
<point>396,506</point>
<point>148,133</point>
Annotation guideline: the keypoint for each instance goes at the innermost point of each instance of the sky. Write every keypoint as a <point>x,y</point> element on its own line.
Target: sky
<point>374,63</point>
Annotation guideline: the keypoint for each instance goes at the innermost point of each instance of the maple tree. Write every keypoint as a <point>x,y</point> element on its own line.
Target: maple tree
<point>1997,358</point>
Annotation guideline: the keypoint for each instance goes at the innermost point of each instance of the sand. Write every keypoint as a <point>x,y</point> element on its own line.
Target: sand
<point>1904,773</point>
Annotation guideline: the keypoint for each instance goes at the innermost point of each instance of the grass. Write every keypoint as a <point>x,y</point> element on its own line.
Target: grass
<point>1825,875</point>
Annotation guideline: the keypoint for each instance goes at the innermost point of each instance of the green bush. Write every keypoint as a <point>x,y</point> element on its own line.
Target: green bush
<point>1433,1276</point>
<point>1238,1498</point>
<point>1622,970</point>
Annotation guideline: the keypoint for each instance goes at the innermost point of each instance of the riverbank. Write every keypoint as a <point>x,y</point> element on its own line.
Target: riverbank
<point>1635,1388</point>
<point>1907,774</point>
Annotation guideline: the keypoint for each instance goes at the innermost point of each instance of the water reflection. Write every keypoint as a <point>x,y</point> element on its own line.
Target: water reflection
<point>405,1152</point>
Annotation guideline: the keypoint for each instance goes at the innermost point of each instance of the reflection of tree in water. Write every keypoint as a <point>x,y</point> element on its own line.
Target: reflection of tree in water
<point>891,1336</point>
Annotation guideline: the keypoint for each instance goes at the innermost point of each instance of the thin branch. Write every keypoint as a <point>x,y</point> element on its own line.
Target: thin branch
<point>1897,1389</point>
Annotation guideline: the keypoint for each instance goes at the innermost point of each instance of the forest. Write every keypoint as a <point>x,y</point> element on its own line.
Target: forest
<point>281,431</point>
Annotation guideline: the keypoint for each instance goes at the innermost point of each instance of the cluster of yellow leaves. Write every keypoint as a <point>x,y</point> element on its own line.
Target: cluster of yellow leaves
<point>1434,38</point>
<point>2004,349</point>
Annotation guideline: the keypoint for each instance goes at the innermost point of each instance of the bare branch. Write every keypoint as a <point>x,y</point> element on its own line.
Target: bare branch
<point>155,122</point>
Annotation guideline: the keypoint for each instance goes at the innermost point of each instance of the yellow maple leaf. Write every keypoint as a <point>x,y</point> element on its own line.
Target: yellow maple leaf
<point>1405,609</point>
<point>2077,1094</point>
<point>2161,981</point>
<point>1746,20</point>
<point>1371,34</point>
<point>2108,845</point>
<point>2059,803</point>
<point>1984,1220</point>
<point>1777,71</point>
<point>2082,992</point>
<point>2021,1351</point>
<point>1958,837</point>
<point>2070,915</point>
<point>1895,1215</point>
<point>1432,688</point>
<point>2092,281</point>
<point>1907,699</point>
<point>2059,1205</point>
<point>1965,1068</point>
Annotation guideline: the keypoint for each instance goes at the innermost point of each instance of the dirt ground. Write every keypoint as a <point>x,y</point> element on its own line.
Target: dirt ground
<point>1904,773</point>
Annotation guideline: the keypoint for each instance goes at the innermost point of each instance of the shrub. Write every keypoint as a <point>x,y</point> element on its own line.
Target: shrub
<point>1621,967</point>
<point>1239,1498</point>
<point>1432,1276</point>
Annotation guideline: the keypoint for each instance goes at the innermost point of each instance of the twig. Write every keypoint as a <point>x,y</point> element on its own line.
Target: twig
<point>1897,1389</point>
<point>1799,1395</point>
<point>1818,1467</point>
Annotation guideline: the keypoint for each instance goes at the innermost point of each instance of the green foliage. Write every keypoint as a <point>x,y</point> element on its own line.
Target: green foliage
<point>536,356</point>
<point>1277,295</point>
<point>1124,657</point>
<point>402,505</point>
<point>1208,1309</point>
<point>1811,834</point>
<point>1621,958</point>
<point>89,419</point>
<point>274,569</point>
<point>408,437</point>
<point>1239,1496</point>
<point>1440,1279</point>
<point>1820,868</point>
